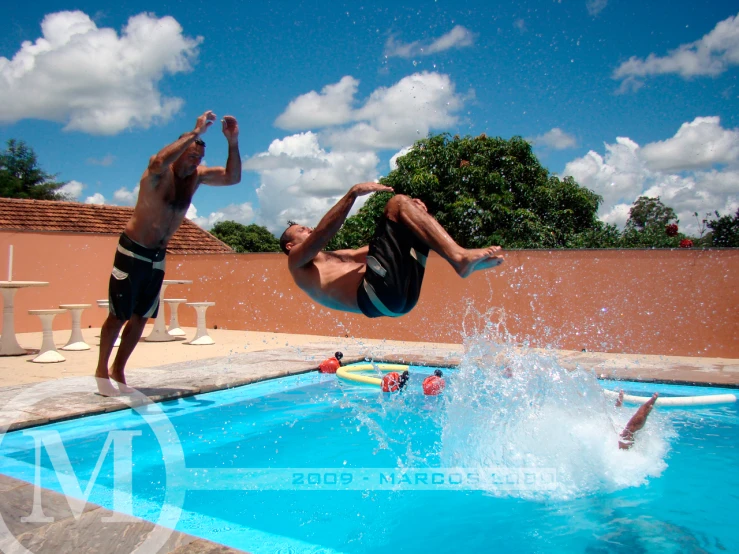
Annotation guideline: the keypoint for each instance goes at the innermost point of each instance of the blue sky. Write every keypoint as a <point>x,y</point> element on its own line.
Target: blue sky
<point>628,98</point>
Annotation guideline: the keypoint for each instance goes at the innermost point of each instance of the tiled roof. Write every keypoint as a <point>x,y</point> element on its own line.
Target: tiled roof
<point>74,217</point>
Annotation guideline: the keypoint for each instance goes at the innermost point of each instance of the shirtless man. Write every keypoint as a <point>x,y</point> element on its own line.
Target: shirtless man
<point>165,191</point>
<point>384,278</point>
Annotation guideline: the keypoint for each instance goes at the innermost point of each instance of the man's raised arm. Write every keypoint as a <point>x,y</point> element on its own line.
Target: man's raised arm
<point>231,174</point>
<point>167,155</point>
<point>303,253</point>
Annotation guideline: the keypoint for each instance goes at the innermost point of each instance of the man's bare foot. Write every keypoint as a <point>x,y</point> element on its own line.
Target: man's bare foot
<point>105,387</point>
<point>478,259</point>
<point>636,422</point>
<point>620,399</point>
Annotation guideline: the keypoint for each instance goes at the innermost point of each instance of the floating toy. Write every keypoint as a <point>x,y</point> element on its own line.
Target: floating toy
<point>706,400</point>
<point>433,384</point>
<point>330,365</point>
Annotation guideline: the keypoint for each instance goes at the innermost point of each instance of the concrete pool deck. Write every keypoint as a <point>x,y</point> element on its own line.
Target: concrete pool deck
<point>34,394</point>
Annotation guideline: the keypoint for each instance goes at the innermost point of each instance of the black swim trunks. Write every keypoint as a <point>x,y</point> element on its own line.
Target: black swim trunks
<point>136,280</point>
<point>395,266</point>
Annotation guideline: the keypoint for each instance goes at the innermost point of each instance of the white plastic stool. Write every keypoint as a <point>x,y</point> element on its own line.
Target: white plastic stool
<point>76,340</point>
<point>174,323</point>
<point>48,353</point>
<point>201,335</point>
<point>106,304</point>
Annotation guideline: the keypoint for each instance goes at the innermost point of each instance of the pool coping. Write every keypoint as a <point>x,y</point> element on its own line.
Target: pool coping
<point>60,400</point>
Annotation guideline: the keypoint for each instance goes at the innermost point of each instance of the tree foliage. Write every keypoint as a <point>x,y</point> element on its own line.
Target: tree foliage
<point>245,238</point>
<point>486,191</point>
<point>21,176</point>
<point>724,230</point>
<point>647,225</point>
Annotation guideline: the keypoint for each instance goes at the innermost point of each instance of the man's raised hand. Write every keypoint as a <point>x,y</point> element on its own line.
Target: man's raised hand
<point>230,128</point>
<point>204,121</point>
<point>368,188</point>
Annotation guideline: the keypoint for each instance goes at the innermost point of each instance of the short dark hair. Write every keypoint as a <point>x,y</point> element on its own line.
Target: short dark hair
<point>198,141</point>
<point>286,237</point>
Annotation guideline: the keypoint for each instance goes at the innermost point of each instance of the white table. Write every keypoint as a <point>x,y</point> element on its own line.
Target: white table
<point>159,333</point>
<point>48,354</point>
<point>8,343</point>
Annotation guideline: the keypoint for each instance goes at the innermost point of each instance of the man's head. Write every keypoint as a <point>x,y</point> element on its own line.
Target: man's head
<point>190,159</point>
<point>293,235</point>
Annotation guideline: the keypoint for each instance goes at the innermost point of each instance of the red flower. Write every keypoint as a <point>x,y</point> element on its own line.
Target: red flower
<point>671,230</point>
<point>686,243</point>
<point>464,163</point>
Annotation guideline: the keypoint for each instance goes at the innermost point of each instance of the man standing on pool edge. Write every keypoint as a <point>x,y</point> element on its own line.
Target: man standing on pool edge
<point>165,192</point>
<point>384,278</point>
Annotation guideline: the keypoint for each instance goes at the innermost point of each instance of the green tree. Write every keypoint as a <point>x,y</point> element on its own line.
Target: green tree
<point>484,191</point>
<point>647,225</point>
<point>21,176</point>
<point>245,238</point>
<point>724,230</point>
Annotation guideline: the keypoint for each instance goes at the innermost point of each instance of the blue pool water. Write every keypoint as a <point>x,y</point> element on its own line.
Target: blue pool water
<point>677,490</point>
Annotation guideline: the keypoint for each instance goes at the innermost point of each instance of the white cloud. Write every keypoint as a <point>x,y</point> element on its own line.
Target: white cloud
<point>126,197</point>
<point>697,145</point>
<point>332,106</point>
<point>305,193</point>
<point>92,79</point>
<point>241,213</point>
<point>72,189</point>
<point>105,161</point>
<point>394,160</point>
<point>96,198</point>
<point>556,139</point>
<point>628,171</point>
<point>458,37</point>
<point>596,6</point>
<point>711,55</point>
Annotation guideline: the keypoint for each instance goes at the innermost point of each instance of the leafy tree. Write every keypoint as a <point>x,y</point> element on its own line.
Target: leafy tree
<point>724,230</point>
<point>485,191</point>
<point>647,226</point>
<point>245,238</point>
<point>21,176</point>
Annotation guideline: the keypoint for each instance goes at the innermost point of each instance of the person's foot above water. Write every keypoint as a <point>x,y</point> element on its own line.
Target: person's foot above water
<point>478,259</point>
<point>636,422</point>
<point>120,382</point>
<point>105,387</point>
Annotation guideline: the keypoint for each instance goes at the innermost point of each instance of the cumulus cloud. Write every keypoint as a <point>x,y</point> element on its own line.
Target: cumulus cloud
<point>391,117</point>
<point>126,197</point>
<point>400,153</point>
<point>596,6</point>
<point>105,161</point>
<point>96,198</point>
<point>93,80</point>
<point>458,37</point>
<point>709,56</point>
<point>241,213</point>
<point>289,190</point>
<point>72,190</point>
<point>627,171</point>
<point>556,139</point>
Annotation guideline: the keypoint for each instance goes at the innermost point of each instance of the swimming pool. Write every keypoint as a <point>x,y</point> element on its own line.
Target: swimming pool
<point>675,492</point>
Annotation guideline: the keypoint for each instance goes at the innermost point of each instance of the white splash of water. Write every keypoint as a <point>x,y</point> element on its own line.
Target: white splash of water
<point>516,408</point>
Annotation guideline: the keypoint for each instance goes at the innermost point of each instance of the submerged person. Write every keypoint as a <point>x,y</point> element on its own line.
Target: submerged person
<point>636,422</point>
<point>165,192</point>
<point>384,278</point>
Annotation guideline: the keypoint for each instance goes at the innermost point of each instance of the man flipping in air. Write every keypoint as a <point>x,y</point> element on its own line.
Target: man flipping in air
<point>384,278</point>
<point>165,191</point>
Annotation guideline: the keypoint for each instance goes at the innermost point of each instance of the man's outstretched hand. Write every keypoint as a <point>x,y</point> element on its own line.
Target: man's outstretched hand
<point>368,188</point>
<point>230,128</point>
<point>204,121</point>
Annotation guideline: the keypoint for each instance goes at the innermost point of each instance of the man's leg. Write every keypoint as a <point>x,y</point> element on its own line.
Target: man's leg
<point>412,214</point>
<point>108,334</point>
<point>636,422</point>
<point>129,339</point>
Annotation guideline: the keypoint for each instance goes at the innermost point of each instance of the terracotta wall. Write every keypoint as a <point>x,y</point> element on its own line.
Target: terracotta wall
<point>681,302</point>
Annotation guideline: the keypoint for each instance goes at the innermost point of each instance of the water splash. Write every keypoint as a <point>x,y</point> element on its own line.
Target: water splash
<point>511,407</point>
